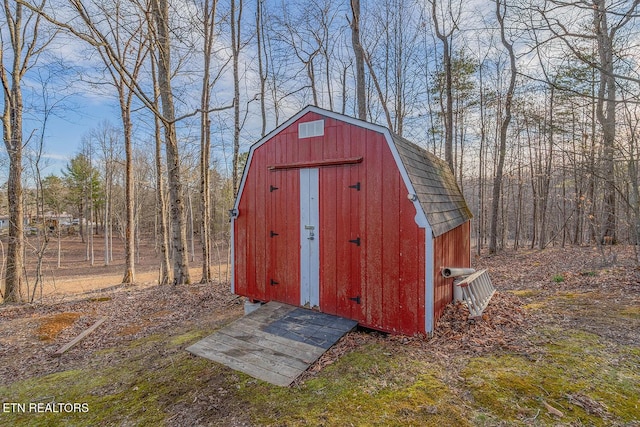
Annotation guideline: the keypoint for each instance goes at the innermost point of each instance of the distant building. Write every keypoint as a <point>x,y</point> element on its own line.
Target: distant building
<point>54,219</point>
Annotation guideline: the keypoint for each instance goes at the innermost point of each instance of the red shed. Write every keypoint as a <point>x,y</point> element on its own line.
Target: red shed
<point>342,216</point>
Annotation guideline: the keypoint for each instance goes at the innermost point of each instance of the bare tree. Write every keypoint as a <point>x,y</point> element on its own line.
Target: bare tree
<point>608,20</point>
<point>391,55</point>
<point>236,38</point>
<point>632,119</point>
<point>176,194</point>
<point>501,10</point>
<point>208,21</point>
<point>43,232</point>
<point>446,38</point>
<point>109,143</point>
<point>24,28</point>
<point>358,53</point>
<point>156,12</point>
<point>122,46</point>
<point>263,63</point>
<point>90,196</point>
<point>163,231</point>
<point>606,111</point>
<point>309,32</point>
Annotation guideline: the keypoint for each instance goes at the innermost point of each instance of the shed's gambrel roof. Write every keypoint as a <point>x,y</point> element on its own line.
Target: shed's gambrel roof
<point>435,186</point>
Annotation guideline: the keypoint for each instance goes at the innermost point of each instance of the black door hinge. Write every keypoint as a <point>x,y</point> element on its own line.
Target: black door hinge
<point>356,241</point>
<point>356,299</point>
<point>273,282</point>
<point>356,186</point>
<point>272,189</point>
<point>274,234</point>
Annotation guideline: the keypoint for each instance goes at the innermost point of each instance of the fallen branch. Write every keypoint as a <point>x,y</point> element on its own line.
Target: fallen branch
<point>553,410</point>
<point>79,338</point>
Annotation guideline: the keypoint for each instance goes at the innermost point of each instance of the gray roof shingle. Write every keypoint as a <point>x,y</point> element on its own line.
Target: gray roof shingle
<point>435,186</point>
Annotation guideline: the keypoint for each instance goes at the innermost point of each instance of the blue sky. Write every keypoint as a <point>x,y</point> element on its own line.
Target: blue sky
<point>67,126</point>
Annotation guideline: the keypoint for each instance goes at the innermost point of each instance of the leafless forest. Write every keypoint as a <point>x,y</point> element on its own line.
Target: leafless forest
<point>533,103</point>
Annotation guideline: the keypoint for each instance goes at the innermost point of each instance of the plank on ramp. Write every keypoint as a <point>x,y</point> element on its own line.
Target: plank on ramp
<point>275,343</point>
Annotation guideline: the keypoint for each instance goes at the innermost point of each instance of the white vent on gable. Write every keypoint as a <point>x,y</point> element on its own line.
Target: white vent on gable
<point>309,129</point>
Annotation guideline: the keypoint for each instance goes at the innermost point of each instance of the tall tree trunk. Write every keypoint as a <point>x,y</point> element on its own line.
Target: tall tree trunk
<point>236,18</point>
<point>606,114</point>
<point>107,207</point>
<point>497,182</point>
<point>447,114</point>
<point>22,52</point>
<point>262,67</point>
<point>546,177</point>
<point>381,96</point>
<point>129,242</point>
<point>176,195</point>
<point>358,52</point>
<point>90,198</point>
<point>533,172</point>
<point>483,137</point>
<point>12,121</point>
<point>634,198</point>
<point>205,142</point>
<point>577,182</point>
<point>164,276</point>
<point>518,216</point>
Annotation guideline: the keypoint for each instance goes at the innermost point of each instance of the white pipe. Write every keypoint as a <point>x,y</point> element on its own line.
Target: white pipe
<point>456,272</point>
<point>457,290</point>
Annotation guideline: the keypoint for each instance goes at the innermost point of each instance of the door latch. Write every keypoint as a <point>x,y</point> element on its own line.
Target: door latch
<point>356,299</point>
<point>310,229</point>
<point>355,241</point>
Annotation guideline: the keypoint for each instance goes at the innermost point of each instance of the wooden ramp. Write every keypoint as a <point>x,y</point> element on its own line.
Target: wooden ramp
<point>276,343</point>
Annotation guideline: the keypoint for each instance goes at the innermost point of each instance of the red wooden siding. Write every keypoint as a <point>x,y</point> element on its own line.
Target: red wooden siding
<point>390,297</point>
<point>261,259</point>
<point>386,272</point>
<point>451,249</point>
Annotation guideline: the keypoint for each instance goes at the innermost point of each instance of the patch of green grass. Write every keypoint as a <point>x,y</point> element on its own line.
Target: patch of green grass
<point>100,299</point>
<point>576,297</point>
<point>589,273</point>
<point>525,293</point>
<point>575,367</point>
<point>558,278</point>
<point>187,338</point>
<point>365,387</point>
<point>632,312</point>
<point>535,306</point>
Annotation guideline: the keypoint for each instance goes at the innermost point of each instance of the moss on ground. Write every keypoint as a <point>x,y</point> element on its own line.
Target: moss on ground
<point>525,293</point>
<point>632,312</point>
<point>139,389</point>
<point>365,387</point>
<point>569,377</point>
<point>576,374</point>
<point>535,306</point>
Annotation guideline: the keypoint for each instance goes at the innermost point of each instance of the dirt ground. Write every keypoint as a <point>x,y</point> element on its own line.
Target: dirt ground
<point>76,274</point>
<point>574,288</point>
